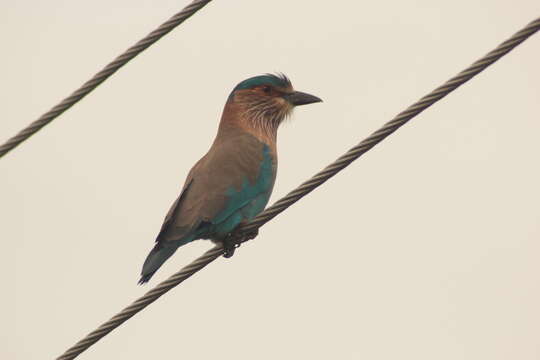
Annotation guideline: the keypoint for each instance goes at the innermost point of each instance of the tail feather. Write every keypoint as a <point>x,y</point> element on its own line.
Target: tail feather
<point>159,254</point>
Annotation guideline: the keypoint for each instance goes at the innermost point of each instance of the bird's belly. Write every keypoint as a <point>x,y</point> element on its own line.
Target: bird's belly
<point>245,213</point>
<point>246,201</point>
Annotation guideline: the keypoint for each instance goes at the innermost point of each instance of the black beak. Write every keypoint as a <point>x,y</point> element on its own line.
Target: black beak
<point>299,98</point>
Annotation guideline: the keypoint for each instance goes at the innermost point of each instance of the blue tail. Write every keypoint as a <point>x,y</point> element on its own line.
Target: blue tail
<point>159,254</point>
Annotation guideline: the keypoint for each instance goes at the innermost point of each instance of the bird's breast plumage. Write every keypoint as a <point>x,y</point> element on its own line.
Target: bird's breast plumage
<point>247,197</point>
<point>230,184</point>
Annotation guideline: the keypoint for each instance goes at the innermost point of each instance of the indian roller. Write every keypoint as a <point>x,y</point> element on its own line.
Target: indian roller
<point>232,183</point>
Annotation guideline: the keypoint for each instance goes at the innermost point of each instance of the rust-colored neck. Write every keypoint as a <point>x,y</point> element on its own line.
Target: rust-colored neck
<point>236,118</point>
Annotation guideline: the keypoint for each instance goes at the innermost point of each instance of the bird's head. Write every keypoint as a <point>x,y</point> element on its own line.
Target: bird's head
<point>265,101</point>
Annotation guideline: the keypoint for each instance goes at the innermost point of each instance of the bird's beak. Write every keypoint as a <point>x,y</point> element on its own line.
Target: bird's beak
<point>300,98</point>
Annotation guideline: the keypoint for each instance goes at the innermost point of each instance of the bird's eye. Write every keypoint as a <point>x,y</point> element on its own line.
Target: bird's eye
<point>267,89</point>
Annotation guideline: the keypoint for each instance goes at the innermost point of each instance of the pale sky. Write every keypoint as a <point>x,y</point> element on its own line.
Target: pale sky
<point>425,248</point>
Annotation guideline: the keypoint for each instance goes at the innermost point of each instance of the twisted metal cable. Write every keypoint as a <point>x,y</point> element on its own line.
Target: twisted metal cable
<point>305,188</point>
<point>141,303</point>
<point>391,126</point>
<point>103,75</point>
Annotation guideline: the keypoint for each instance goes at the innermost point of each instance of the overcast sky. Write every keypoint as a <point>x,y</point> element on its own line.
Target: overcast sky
<point>426,248</point>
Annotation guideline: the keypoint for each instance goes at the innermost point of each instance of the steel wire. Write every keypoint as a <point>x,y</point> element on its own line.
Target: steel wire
<point>101,76</point>
<point>305,188</point>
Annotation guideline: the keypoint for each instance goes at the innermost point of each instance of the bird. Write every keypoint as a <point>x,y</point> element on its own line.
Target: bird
<point>233,181</point>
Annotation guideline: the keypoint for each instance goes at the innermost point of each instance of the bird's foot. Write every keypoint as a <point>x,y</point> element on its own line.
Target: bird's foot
<point>229,246</point>
<point>250,235</point>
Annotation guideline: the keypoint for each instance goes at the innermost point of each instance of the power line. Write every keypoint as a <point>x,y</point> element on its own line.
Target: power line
<point>391,126</point>
<point>103,75</point>
<point>304,189</point>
